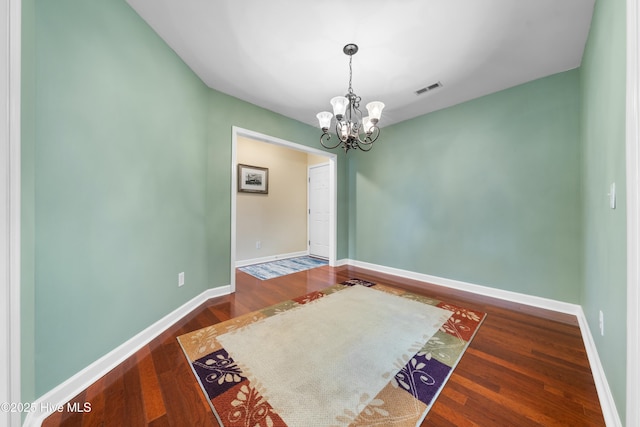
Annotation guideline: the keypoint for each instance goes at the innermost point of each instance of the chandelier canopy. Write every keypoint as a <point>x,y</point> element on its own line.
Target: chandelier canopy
<point>352,130</point>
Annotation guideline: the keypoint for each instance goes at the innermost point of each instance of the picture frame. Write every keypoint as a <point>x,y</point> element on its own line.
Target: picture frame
<point>253,179</point>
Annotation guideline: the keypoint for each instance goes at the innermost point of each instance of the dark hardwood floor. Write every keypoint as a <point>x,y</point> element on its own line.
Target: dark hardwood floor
<point>525,367</point>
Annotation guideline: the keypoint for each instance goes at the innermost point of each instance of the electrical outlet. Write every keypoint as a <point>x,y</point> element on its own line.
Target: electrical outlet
<point>181,279</point>
<point>601,323</point>
<point>258,244</point>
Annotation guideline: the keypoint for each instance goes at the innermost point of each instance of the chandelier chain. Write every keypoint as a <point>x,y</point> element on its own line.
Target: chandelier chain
<point>350,73</point>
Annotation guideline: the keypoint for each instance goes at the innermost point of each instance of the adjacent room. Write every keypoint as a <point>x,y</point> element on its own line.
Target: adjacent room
<point>290,211</point>
<point>165,145</point>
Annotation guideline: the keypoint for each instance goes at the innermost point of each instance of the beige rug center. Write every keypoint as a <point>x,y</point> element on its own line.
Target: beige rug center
<point>334,354</point>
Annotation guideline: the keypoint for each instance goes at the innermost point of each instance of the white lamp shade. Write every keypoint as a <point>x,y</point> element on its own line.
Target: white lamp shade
<point>324,118</point>
<point>375,110</point>
<point>340,104</point>
<point>367,125</point>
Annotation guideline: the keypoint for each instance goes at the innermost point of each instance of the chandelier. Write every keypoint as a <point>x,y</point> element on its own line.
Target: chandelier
<point>352,130</point>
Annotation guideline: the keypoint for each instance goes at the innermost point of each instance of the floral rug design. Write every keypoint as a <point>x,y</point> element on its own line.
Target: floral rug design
<point>406,394</point>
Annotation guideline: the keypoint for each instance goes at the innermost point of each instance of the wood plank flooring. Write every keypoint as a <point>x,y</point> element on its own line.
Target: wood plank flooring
<point>525,367</point>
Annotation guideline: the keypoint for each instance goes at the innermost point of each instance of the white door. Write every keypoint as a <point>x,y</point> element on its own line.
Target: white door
<point>319,210</point>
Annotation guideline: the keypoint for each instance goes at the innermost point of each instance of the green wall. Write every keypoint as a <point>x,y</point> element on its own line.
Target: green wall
<point>120,178</point>
<point>602,78</point>
<point>486,192</point>
<point>128,159</point>
<point>510,191</point>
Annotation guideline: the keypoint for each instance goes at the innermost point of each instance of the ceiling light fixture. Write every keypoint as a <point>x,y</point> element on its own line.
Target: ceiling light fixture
<point>352,130</point>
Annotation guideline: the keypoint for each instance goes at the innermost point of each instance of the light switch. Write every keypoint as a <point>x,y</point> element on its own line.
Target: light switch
<point>612,196</point>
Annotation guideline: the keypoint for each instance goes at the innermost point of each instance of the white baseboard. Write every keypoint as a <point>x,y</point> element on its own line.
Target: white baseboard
<point>534,301</point>
<point>342,262</point>
<point>60,395</point>
<point>609,411</point>
<point>246,262</point>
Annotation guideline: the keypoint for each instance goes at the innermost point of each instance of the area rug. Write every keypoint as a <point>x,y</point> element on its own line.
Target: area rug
<point>282,267</point>
<point>354,354</point>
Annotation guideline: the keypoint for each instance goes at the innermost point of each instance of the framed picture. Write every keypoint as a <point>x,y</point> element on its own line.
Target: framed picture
<point>253,179</point>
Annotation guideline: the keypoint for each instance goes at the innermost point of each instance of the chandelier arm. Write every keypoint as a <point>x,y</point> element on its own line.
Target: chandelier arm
<point>365,141</point>
<point>369,138</point>
<point>364,146</point>
<point>362,141</point>
<point>328,137</point>
<point>373,134</point>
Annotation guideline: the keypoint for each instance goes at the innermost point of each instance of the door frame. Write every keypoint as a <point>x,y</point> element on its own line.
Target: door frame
<point>333,189</point>
<point>10,54</point>
<point>633,213</point>
<point>309,200</point>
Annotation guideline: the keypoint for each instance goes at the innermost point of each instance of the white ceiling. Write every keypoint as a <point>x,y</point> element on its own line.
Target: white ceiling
<point>286,55</point>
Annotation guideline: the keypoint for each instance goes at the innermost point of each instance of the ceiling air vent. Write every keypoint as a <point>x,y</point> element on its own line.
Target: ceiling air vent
<point>428,88</point>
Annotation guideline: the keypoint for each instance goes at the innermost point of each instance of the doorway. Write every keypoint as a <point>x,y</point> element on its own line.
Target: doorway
<point>332,190</point>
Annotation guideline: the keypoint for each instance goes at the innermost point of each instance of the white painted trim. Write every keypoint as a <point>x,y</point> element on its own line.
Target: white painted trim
<point>10,66</point>
<point>333,218</point>
<point>246,262</point>
<point>234,214</point>
<point>607,403</point>
<point>333,189</point>
<point>633,214</point>
<point>534,301</point>
<point>15,203</point>
<point>342,262</point>
<point>64,392</point>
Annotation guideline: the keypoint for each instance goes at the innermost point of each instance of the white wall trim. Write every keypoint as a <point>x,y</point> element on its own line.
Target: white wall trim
<point>333,188</point>
<point>602,386</point>
<point>530,300</point>
<point>608,404</point>
<point>64,392</point>
<point>342,262</point>
<point>245,262</point>
<point>10,56</point>
<point>633,214</point>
